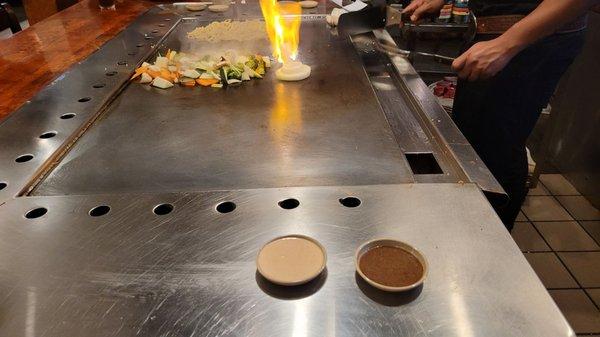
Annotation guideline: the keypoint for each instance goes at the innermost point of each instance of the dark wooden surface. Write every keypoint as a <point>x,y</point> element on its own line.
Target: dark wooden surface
<point>31,59</point>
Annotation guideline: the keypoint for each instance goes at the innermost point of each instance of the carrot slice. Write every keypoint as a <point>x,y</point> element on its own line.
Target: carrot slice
<point>189,83</point>
<point>153,73</point>
<point>206,82</point>
<point>166,75</point>
<point>139,71</point>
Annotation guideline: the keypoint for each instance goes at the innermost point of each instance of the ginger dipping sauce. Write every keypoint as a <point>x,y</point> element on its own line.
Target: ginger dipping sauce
<point>291,260</point>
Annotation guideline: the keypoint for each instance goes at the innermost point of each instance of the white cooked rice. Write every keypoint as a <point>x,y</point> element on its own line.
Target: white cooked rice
<point>230,31</point>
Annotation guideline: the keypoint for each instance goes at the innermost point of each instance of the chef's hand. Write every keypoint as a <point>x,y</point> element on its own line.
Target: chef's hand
<point>417,8</point>
<point>484,59</point>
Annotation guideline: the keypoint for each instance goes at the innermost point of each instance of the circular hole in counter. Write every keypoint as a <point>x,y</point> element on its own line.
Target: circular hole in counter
<point>3,185</point>
<point>67,115</point>
<point>290,203</point>
<point>148,37</point>
<point>161,24</point>
<point>36,213</point>
<point>154,31</point>
<point>163,209</point>
<point>48,134</point>
<point>24,158</point>
<point>98,85</point>
<point>111,73</point>
<point>122,63</point>
<point>84,99</point>
<point>167,19</point>
<point>132,53</point>
<point>139,45</point>
<point>350,202</point>
<point>99,210</point>
<point>226,207</point>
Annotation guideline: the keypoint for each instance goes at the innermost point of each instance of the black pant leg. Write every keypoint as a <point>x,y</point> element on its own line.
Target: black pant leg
<point>497,115</point>
<point>478,114</point>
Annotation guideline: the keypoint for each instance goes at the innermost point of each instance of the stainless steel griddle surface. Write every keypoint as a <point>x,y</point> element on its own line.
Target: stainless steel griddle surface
<point>326,130</point>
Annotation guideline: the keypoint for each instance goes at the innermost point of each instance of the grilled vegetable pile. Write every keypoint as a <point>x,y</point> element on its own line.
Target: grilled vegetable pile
<point>191,70</point>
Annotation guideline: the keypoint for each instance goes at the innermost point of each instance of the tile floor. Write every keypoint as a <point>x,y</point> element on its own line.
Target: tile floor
<point>558,231</point>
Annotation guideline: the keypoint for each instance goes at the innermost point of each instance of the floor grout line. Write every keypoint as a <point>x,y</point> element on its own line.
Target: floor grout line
<point>577,281</point>
<point>568,251</point>
<point>586,231</point>
<point>559,195</point>
<point>570,220</point>
<point>585,290</point>
<point>558,257</point>
<point>525,215</point>
<point>577,251</point>
<point>559,251</point>
<point>564,264</point>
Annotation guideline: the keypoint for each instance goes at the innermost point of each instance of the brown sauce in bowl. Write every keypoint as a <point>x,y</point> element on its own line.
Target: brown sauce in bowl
<point>391,266</point>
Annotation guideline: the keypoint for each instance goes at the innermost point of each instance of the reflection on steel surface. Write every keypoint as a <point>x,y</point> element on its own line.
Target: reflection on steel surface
<point>285,121</point>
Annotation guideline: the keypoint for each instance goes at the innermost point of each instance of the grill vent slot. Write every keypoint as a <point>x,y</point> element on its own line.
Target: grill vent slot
<point>423,163</point>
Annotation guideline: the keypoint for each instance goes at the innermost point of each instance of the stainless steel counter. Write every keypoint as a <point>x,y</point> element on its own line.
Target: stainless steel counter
<point>192,272</point>
<point>359,126</point>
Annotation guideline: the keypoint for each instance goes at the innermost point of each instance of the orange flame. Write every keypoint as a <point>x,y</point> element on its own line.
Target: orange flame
<point>283,27</point>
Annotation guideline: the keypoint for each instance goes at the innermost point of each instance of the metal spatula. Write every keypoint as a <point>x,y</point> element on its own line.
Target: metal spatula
<point>373,18</point>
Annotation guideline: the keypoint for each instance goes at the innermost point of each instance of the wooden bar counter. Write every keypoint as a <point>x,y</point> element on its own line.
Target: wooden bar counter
<point>31,59</point>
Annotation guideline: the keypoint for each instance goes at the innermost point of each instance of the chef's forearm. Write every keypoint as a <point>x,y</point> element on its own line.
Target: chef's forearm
<point>548,17</point>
